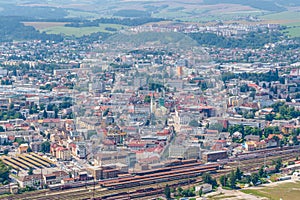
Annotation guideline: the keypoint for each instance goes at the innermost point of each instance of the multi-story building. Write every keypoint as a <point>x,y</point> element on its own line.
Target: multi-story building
<point>34,180</point>
<point>55,177</point>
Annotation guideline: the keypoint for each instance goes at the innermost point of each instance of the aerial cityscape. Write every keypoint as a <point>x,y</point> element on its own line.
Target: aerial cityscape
<point>156,99</point>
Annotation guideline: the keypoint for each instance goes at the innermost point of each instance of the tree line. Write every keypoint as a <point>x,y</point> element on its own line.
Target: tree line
<point>11,28</point>
<point>250,40</point>
<point>121,21</point>
<point>270,76</point>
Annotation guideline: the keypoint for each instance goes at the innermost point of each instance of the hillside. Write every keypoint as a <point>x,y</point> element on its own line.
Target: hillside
<point>178,39</point>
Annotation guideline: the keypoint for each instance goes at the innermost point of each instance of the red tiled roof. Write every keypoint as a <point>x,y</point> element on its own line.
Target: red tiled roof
<point>133,144</point>
<point>51,120</point>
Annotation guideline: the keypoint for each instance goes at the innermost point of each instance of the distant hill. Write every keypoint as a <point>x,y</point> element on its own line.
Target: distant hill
<point>184,10</point>
<point>258,4</point>
<point>12,29</point>
<point>171,38</point>
<point>38,12</point>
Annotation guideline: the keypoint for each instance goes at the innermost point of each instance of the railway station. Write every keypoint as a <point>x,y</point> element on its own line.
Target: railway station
<point>26,161</point>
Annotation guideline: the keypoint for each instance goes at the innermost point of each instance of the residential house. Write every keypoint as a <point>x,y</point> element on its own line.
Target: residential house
<point>36,146</point>
<point>23,148</point>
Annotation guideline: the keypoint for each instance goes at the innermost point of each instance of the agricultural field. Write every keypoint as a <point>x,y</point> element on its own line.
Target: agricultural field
<point>80,31</point>
<point>284,190</point>
<point>81,14</point>
<point>293,31</point>
<point>291,19</point>
<point>60,28</point>
<point>44,25</point>
<point>196,11</point>
<point>287,17</point>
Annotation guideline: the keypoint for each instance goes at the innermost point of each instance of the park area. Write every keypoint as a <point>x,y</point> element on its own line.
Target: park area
<point>279,190</point>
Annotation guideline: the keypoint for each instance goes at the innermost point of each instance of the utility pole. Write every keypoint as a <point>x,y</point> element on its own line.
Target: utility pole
<point>94,189</point>
<point>41,178</point>
<point>264,161</point>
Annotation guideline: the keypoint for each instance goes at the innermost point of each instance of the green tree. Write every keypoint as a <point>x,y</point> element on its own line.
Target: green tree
<point>194,123</point>
<point>50,107</point>
<point>46,147</point>
<point>4,172</point>
<point>223,180</point>
<point>238,174</point>
<point>11,106</point>
<point>236,128</point>
<point>295,140</point>
<point>244,88</point>
<point>203,85</point>
<point>232,179</point>
<point>261,172</point>
<point>269,117</point>
<point>56,113</point>
<point>19,140</point>
<point>42,106</point>
<point>200,192</point>
<point>45,114</point>
<point>278,165</point>
<point>179,189</point>
<point>216,126</point>
<point>147,99</point>
<point>167,192</point>
<point>105,113</point>
<point>5,152</point>
<point>254,178</point>
<point>206,177</point>
<point>30,171</point>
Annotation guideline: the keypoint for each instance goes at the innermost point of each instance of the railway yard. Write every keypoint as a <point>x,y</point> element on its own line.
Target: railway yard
<point>151,182</point>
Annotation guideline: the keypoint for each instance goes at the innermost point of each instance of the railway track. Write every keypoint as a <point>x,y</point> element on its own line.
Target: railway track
<point>247,165</point>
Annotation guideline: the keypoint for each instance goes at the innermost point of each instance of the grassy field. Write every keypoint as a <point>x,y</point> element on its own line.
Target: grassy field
<point>290,191</point>
<point>74,31</point>
<point>171,38</point>
<point>190,11</point>
<point>44,25</point>
<point>220,197</point>
<point>288,16</point>
<point>204,13</point>
<point>291,19</point>
<point>293,31</point>
<point>82,14</point>
<point>71,31</point>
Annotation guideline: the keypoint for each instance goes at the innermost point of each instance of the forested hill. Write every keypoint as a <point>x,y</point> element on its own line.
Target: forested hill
<point>11,28</point>
<point>275,5</point>
<point>250,40</point>
<point>36,12</point>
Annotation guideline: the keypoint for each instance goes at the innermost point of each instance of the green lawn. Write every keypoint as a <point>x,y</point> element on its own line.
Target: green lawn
<point>288,191</point>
